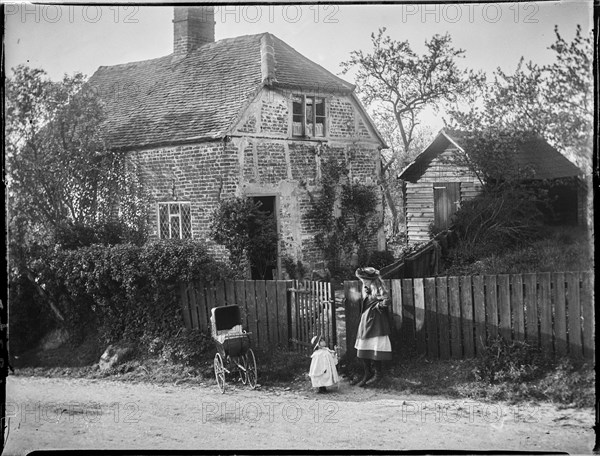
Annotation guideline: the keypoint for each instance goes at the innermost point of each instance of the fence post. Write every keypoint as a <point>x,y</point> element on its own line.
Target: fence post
<point>517,306</point>
<point>573,306</point>
<point>332,315</point>
<point>479,314</point>
<point>408,318</point>
<point>443,316</point>
<point>420,325</point>
<point>545,310</point>
<point>185,305</point>
<point>530,282</point>
<point>504,306</point>
<point>352,291</point>
<point>466,302</point>
<point>455,320</point>
<point>587,311</point>
<point>491,305</point>
<point>201,307</point>
<point>251,311</point>
<point>282,313</point>
<point>431,318</point>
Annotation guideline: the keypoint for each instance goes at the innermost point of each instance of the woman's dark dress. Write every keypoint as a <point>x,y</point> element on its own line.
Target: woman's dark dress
<point>373,337</point>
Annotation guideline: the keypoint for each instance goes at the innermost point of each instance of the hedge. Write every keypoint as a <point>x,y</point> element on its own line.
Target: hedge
<point>125,291</point>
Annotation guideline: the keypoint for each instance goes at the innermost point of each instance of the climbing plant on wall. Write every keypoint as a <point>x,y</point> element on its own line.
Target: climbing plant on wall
<point>246,232</point>
<point>344,214</point>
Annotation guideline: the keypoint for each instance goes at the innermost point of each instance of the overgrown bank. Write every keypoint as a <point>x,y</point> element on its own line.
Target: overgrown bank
<point>118,294</point>
<point>554,249</point>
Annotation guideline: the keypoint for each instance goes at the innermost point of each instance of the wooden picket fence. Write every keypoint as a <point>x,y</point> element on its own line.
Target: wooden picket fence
<point>452,317</point>
<point>277,312</point>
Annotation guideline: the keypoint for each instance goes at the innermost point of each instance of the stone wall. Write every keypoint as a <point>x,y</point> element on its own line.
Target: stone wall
<point>261,158</point>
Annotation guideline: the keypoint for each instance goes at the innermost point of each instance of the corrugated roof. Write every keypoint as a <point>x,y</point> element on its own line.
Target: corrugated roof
<point>199,96</point>
<point>535,154</point>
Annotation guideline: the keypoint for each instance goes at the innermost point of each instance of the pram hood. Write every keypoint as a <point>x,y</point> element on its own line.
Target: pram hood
<point>226,317</point>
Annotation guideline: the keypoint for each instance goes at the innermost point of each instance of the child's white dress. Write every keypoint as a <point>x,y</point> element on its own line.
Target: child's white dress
<point>322,368</point>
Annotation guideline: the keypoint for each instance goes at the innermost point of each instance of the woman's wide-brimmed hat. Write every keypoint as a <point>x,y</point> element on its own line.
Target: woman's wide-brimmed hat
<point>315,341</point>
<point>367,273</point>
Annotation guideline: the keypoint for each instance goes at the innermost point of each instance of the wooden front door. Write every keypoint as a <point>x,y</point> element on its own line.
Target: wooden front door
<point>263,267</point>
<point>446,199</point>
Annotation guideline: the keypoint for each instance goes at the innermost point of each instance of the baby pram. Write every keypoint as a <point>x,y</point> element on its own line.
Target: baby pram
<point>233,347</point>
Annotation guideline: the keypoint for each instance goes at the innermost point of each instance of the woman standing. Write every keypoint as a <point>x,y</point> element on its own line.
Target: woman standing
<point>373,343</point>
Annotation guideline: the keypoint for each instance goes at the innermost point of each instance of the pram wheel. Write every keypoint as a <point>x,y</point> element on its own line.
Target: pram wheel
<point>250,365</point>
<point>243,370</point>
<point>219,372</point>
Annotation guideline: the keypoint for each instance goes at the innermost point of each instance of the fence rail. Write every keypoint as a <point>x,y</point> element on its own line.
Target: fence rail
<point>264,305</point>
<point>424,262</point>
<point>451,317</point>
<point>276,312</point>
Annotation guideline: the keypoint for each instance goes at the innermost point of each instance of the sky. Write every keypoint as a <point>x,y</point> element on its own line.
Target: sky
<point>68,39</point>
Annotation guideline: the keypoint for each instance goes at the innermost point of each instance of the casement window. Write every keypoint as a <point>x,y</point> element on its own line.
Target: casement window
<point>174,220</point>
<point>308,117</point>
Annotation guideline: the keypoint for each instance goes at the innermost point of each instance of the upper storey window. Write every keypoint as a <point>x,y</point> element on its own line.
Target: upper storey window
<point>308,116</point>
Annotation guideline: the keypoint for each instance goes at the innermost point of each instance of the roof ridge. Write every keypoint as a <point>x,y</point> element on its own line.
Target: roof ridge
<point>170,56</point>
<point>268,64</point>
<point>135,63</point>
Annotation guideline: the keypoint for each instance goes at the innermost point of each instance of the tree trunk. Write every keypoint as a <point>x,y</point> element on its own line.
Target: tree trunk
<point>55,310</point>
<point>390,201</point>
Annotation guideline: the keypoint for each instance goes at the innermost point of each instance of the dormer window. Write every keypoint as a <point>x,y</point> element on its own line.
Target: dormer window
<point>308,118</point>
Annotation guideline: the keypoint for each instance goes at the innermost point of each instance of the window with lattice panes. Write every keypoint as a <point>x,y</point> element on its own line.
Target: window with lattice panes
<point>308,116</point>
<point>174,220</point>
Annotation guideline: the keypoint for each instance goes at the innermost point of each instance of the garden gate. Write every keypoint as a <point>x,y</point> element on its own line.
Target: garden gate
<point>312,312</point>
<point>277,312</point>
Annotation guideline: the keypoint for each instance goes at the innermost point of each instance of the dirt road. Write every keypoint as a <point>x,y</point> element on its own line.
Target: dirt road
<point>78,413</point>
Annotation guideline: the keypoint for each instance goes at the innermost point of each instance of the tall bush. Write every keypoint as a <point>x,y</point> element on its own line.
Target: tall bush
<point>497,220</point>
<point>126,292</point>
<point>247,232</point>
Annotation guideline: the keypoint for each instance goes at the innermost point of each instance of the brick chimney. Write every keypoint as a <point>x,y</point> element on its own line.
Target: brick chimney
<point>193,26</point>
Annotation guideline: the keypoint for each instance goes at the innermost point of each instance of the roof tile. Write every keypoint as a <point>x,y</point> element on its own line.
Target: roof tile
<point>535,153</point>
<point>200,95</point>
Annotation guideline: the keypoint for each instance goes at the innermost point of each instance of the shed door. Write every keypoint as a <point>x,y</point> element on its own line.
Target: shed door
<point>446,198</point>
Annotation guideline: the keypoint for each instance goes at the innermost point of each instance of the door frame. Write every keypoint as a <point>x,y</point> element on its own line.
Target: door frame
<point>276,211</point>
<point>454,207</point>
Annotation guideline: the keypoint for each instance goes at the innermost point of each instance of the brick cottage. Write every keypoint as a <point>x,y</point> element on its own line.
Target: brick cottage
<point>245,116</point>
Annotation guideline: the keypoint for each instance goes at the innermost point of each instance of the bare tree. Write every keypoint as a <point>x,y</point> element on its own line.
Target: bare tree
<point>397,84</point>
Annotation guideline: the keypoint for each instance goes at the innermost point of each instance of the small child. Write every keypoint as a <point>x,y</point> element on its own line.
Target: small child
<point>323,372</point>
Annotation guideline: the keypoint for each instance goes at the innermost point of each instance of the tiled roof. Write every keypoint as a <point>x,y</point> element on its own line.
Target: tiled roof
<point>292,69</point>
<point>535,154</point>
<point>199,96</point>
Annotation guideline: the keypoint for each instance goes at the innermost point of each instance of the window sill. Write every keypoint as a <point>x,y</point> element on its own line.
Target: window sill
<point>308,138</point>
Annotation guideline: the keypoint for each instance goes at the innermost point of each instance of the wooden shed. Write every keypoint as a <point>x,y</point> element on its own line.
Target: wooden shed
<point>435,183</point>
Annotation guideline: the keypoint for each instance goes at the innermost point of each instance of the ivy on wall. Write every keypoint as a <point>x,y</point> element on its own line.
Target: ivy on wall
<point>344,214</point>
<point>247,232</point>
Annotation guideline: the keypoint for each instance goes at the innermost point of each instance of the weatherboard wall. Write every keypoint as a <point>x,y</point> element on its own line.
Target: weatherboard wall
<point>419,205</point>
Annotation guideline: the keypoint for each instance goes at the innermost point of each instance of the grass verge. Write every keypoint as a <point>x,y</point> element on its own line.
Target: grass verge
<point>514,375</point>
